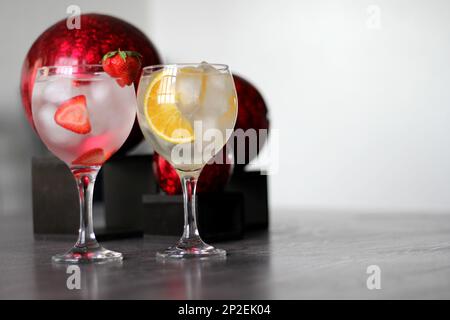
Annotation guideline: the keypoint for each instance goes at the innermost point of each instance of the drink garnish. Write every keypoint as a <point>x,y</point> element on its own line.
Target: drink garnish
<point>123,65</point>
<point>162,113</point>
<point>93,157</point>
<point>73,115</point>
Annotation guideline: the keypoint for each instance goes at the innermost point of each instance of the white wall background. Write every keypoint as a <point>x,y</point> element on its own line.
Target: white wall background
<point>363,114</point>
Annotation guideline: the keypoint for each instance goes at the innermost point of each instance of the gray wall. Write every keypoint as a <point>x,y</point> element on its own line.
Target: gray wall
<point>362,108</point>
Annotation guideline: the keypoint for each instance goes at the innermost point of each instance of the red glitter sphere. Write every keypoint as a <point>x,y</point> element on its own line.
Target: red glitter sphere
<point>97,35</point>
<point>252,113</point>
<point>213,178</point>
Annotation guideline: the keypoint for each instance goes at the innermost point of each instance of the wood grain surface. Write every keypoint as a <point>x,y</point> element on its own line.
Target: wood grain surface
<point>303,256</point>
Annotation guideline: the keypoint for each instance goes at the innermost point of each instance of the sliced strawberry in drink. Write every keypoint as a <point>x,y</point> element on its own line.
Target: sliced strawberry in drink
<point>73,115</point>
<point>93,157</point>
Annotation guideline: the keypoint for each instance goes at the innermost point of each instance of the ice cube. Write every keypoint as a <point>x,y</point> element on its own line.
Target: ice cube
<point>189,82</point>
<point>100,90</point>
<point>206,67</point>
<point>45,114</point>
<point>100,102</point>
<point>218,92</point>
<point>110,107</point>
<point>58,90</point>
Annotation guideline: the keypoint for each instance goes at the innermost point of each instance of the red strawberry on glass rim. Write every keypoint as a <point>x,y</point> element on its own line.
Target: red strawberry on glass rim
<point>123,65</point>
<point>73,115</point>
<point>93,157</point>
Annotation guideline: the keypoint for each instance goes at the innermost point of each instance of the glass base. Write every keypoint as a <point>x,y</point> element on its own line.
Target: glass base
<point>88,255</point>
<point>189,250</point>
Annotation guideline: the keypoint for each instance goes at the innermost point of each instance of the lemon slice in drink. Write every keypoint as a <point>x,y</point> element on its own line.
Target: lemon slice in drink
<point>162,113</point>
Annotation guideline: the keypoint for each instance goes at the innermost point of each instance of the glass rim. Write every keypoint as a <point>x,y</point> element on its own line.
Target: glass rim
<point>219,66</point>
<point>80,69</point>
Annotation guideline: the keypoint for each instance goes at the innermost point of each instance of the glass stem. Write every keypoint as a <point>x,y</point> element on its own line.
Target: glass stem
<point>85,178</point>
<point>190,236</point>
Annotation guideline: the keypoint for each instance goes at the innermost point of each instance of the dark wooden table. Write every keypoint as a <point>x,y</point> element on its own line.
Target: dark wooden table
<point>304,256</point>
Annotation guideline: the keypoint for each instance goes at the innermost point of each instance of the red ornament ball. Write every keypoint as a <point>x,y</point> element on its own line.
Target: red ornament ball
<point>252,112</point>
<point>213,178</point>
<point>98,34</point>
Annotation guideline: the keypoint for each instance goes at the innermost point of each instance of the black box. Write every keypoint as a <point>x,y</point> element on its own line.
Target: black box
<point>55,197</point>
<point>253,186</point>
<point>220,216</point>
<point>56,205</point>
<point>127,202</point>
<point>126,180</point>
